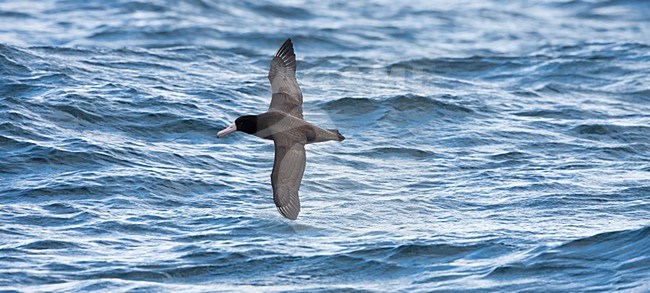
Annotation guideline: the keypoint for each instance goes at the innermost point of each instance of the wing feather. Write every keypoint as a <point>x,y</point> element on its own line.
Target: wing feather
<point>287,96</point>
<point>288,168</point>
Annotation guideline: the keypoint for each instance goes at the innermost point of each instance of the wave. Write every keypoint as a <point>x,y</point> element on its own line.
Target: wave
<point>398,107</point>
<point>12,61</point>
<point>401,151</point>
<point>382,262</point>
<point>561,113</point>
<point>364,264</point>
<point>588,67</point>
<point>474,66</point>
<point>33,155</point>
<point>629,134</point>
<point>50,244</point>
<point>615,260</point>
<point>429,254</point>
<point>14,14</point>
<point>606,10</point>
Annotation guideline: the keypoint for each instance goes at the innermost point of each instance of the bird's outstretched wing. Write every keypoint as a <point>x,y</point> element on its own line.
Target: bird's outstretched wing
<point>287,96</point>
<point>288,168</point>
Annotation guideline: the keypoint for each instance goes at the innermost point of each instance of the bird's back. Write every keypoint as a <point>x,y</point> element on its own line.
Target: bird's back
<point>277,124</point>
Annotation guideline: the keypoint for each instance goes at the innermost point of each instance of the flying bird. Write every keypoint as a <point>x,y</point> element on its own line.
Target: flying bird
<point>285,125</point>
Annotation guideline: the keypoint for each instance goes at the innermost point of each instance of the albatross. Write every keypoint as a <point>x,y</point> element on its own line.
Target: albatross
<point>285,125</point>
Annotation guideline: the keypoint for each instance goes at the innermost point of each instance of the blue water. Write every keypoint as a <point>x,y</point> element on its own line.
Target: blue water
<point>491,145</point>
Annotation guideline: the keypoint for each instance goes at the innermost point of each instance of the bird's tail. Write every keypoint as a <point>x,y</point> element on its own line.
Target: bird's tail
<point>341,137</point>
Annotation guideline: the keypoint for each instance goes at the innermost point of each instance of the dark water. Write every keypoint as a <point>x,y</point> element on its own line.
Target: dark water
<point>491,145</point>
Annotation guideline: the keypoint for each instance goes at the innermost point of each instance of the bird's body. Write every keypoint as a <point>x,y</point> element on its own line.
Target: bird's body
<point>284,124</point>
<point>278,125</point>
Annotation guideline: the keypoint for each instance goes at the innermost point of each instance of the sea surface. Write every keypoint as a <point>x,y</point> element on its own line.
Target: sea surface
<point>491,146</point>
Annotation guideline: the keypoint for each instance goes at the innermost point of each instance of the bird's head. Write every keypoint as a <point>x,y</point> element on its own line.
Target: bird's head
<point>247,124</point>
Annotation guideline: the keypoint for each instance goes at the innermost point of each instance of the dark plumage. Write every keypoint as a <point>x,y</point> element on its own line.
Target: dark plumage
<point>284,124</point>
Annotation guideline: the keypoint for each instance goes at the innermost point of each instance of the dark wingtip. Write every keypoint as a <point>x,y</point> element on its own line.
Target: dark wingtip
<point>341,137</point>
<point>288,213</point>
<point>287,55</point>
<point>286,49</point>
<point>338,134</point>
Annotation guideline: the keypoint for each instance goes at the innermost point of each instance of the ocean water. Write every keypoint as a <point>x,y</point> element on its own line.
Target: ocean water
<point>491,146</point>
